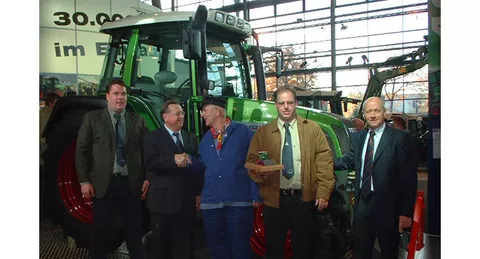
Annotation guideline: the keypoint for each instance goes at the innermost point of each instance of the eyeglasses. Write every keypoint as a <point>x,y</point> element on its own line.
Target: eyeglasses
<point>178,113</point>
<point>289,103</point>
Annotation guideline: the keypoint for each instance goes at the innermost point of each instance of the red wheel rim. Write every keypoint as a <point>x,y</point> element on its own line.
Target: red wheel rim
<point>67,181</point>
<point>258,243</point>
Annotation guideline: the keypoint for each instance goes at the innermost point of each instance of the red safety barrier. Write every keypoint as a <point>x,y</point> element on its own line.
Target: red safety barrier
<point>416,238</point>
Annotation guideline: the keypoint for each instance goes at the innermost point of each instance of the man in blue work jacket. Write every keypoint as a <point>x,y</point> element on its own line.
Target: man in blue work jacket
<point>228,195</point>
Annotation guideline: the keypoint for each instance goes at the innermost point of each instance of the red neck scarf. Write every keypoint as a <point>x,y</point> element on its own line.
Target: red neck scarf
<point>218,134</point>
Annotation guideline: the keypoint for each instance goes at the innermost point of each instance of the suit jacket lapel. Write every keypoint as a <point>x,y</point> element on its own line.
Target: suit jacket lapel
<point>108,126</point>
<point>130,123</point>
<point>358,159</point>
<point>170,140</point>
<point>361,141</point>
<point>384,141</point>
<point>187,145</point>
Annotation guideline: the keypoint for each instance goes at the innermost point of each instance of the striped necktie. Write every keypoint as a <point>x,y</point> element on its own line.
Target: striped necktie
<point>178,142</point>
<point>367,167</point>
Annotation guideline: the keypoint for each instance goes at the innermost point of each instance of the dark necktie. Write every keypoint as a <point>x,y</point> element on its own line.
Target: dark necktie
<point>119,140</point>
<point>367,168</point>
<point>178,142</point>
<point>287,154</point>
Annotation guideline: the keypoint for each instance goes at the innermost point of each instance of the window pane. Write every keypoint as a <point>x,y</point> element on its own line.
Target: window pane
<point>323,80</point>
<point>318,15</point>
<point>350,9</point>
<point>297,19</point>
<point>355,92</point>
<point>316,34</point>
<point>382,56</point>
<point>213,4</point>
<point>408,2</point>
<point>373,5</point>
<point>387,24</point>
<point>291,7</point>
<point>343,2</point>
<point>415,35</point>
<point>268,39</point>
<point>353,29</point>
<point>261,12</point>
<point>321,48</point>
<point>352,43</point>
<point>316,4</point>
<point>263,23</point>
<point>352,77</point>
<point>415,21</point>
<point>385,39</point>
<point>226,70</point>
<point>289,37</point>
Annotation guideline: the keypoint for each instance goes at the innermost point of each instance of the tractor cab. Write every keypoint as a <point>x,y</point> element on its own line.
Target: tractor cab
<point>160,57</point>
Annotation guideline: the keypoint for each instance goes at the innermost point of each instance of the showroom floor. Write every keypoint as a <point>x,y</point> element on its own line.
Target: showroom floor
<point>53,245</point>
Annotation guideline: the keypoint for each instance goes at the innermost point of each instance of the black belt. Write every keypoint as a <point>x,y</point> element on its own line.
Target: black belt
<point>119,175</point>
<point>290,192</point>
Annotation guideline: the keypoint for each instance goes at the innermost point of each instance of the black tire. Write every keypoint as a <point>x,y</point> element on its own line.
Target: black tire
<point>60,164</point>
<point>332,237</point>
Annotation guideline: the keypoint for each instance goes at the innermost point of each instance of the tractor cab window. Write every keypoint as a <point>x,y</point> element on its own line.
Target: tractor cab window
<point>157,70</point>
<point>225,70</point>
<point>160,74</point>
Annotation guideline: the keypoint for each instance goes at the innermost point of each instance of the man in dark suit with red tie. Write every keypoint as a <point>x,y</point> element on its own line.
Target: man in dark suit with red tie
<point>175,181</point>
<point>385,183</point>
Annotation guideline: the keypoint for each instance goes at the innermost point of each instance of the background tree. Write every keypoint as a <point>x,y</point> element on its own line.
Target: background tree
<point>402,88</point>
<point>299,81</point>
<point>352,109</point>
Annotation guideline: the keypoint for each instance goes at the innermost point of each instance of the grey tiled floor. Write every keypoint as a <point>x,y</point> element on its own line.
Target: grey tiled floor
<point>431,250</point>
<point>53,245</point>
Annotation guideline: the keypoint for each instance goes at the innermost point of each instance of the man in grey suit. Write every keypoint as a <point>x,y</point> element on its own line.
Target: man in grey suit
<point>109,161</point>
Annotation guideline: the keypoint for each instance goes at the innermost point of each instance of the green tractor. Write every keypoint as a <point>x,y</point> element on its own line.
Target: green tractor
<point>183,56</point>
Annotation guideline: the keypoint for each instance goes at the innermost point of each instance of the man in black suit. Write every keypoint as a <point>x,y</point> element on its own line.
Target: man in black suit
<point>385,183</point>
<point>110,170</point>
<point>176,184</point>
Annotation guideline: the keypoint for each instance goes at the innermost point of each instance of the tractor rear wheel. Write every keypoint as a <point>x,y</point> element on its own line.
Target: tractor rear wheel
<point>67,205</point>
<point>69,208</point>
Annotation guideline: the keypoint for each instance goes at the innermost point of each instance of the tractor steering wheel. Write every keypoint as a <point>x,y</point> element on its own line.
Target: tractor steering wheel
<point>177,93</point>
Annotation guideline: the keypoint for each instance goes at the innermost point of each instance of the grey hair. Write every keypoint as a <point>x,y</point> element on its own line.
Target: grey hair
<point>382,103</point>
<point>223,112</point>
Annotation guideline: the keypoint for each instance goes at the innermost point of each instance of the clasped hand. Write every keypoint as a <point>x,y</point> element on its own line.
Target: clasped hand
<point>263,175</point>
<point>182,160</point>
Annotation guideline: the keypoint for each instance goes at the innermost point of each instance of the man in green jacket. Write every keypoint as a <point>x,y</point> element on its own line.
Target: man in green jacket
<point>292,195</point>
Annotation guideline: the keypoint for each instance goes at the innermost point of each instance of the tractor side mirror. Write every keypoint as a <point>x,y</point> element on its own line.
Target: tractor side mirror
<point>278,65</point>
<point>192,44</point>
